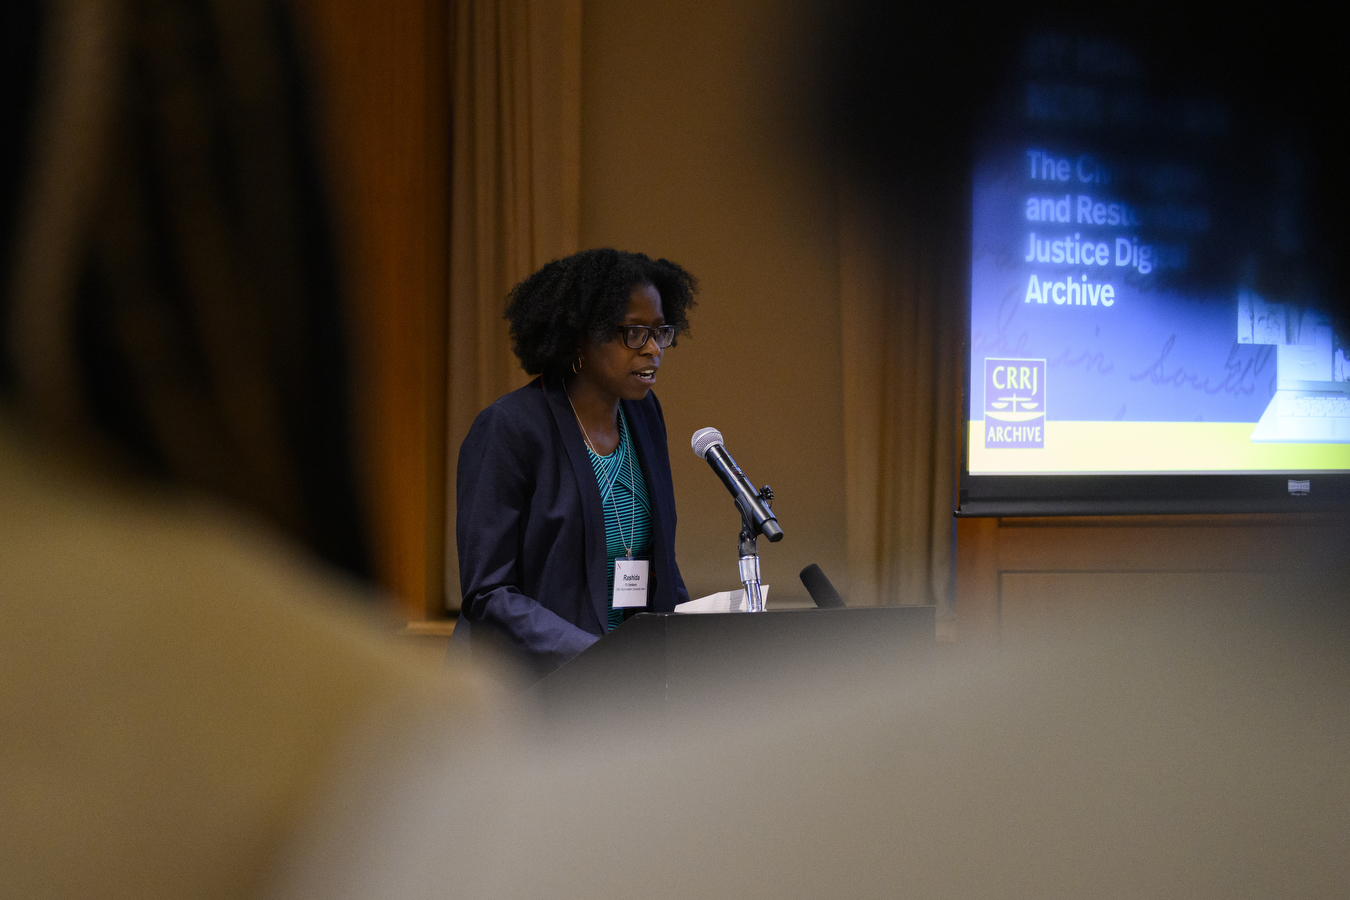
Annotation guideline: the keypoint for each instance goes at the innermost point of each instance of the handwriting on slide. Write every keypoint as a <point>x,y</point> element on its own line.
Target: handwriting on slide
<point>1004,342</point>
<point>1241,372</point>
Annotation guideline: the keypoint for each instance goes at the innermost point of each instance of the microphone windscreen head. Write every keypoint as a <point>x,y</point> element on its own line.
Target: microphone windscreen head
<point>703,439</point>
<point>820,589</point>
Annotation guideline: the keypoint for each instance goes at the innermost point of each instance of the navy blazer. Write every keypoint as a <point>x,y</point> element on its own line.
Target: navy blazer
<point>530,529</point>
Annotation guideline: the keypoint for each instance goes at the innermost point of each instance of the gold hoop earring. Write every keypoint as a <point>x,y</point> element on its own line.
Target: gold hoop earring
<point>576,366</point>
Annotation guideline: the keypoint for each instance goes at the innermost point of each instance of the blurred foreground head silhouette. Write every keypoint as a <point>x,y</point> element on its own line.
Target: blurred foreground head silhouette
<point>186,647</point>
<point>898,95</point>
<point>1201,753</point>
<point>170,300</point>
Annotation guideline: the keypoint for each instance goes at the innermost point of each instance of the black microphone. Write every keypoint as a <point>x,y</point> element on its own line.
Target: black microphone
<point>707,443</point>
<point>820,589</point>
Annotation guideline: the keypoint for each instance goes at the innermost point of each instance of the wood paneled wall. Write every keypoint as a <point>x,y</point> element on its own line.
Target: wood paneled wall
<point>1017,575</point>
<point>383,109</point>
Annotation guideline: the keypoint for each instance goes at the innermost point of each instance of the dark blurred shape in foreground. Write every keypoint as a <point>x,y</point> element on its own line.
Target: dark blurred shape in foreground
<point>179,669</point>
<point>1192,752</point>
<point>171,299</point>
<point>898,95</point>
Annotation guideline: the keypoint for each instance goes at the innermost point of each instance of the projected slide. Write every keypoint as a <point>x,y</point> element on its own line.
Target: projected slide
<point>1121,319</point>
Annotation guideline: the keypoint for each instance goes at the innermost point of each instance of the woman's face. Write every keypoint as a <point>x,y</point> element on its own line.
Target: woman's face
<point>614,369</point>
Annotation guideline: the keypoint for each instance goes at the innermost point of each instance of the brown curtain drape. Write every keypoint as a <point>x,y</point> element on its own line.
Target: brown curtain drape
<point>515,188</point>
<point>900,295</point>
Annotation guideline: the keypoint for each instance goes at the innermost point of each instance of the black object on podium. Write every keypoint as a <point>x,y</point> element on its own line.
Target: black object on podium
<point>658,662</point>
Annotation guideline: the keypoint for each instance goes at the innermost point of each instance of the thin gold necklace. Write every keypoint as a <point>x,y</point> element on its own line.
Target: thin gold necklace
<point>585,436</point>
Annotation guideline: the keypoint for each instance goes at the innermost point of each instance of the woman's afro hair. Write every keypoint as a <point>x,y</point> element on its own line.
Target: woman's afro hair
<point>588,293</point>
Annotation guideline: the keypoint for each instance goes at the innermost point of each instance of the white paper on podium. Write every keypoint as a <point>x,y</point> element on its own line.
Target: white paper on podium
<point>724,601</point>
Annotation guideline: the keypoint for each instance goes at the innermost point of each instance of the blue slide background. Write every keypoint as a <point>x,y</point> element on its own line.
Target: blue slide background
<point>1156,355</point>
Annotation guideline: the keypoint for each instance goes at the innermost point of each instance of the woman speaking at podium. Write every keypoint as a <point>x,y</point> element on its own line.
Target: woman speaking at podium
<point>565,505</point>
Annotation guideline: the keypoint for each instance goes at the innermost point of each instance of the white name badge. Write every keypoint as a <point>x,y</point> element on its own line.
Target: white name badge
<point>630,583</point>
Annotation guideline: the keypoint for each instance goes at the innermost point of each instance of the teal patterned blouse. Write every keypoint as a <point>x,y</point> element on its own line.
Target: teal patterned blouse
<point>623,496</point>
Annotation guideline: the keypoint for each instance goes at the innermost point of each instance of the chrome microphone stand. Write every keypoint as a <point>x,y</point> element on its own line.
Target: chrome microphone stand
<point>749,556</point>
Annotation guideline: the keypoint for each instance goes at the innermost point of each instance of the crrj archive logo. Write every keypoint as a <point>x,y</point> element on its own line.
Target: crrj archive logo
<point>1014,403</point>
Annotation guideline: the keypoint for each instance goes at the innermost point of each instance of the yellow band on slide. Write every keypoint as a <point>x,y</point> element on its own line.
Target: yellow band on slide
<point>1083,448</point>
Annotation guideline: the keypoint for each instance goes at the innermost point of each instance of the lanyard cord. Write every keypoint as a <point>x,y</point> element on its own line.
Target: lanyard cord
<point>628,458</point>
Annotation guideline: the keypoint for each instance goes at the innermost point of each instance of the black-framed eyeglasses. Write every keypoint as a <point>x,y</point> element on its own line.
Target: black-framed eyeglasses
<point>635,336</point>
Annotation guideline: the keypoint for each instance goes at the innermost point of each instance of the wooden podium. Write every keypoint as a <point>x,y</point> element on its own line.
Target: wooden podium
<point>663,662</point>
